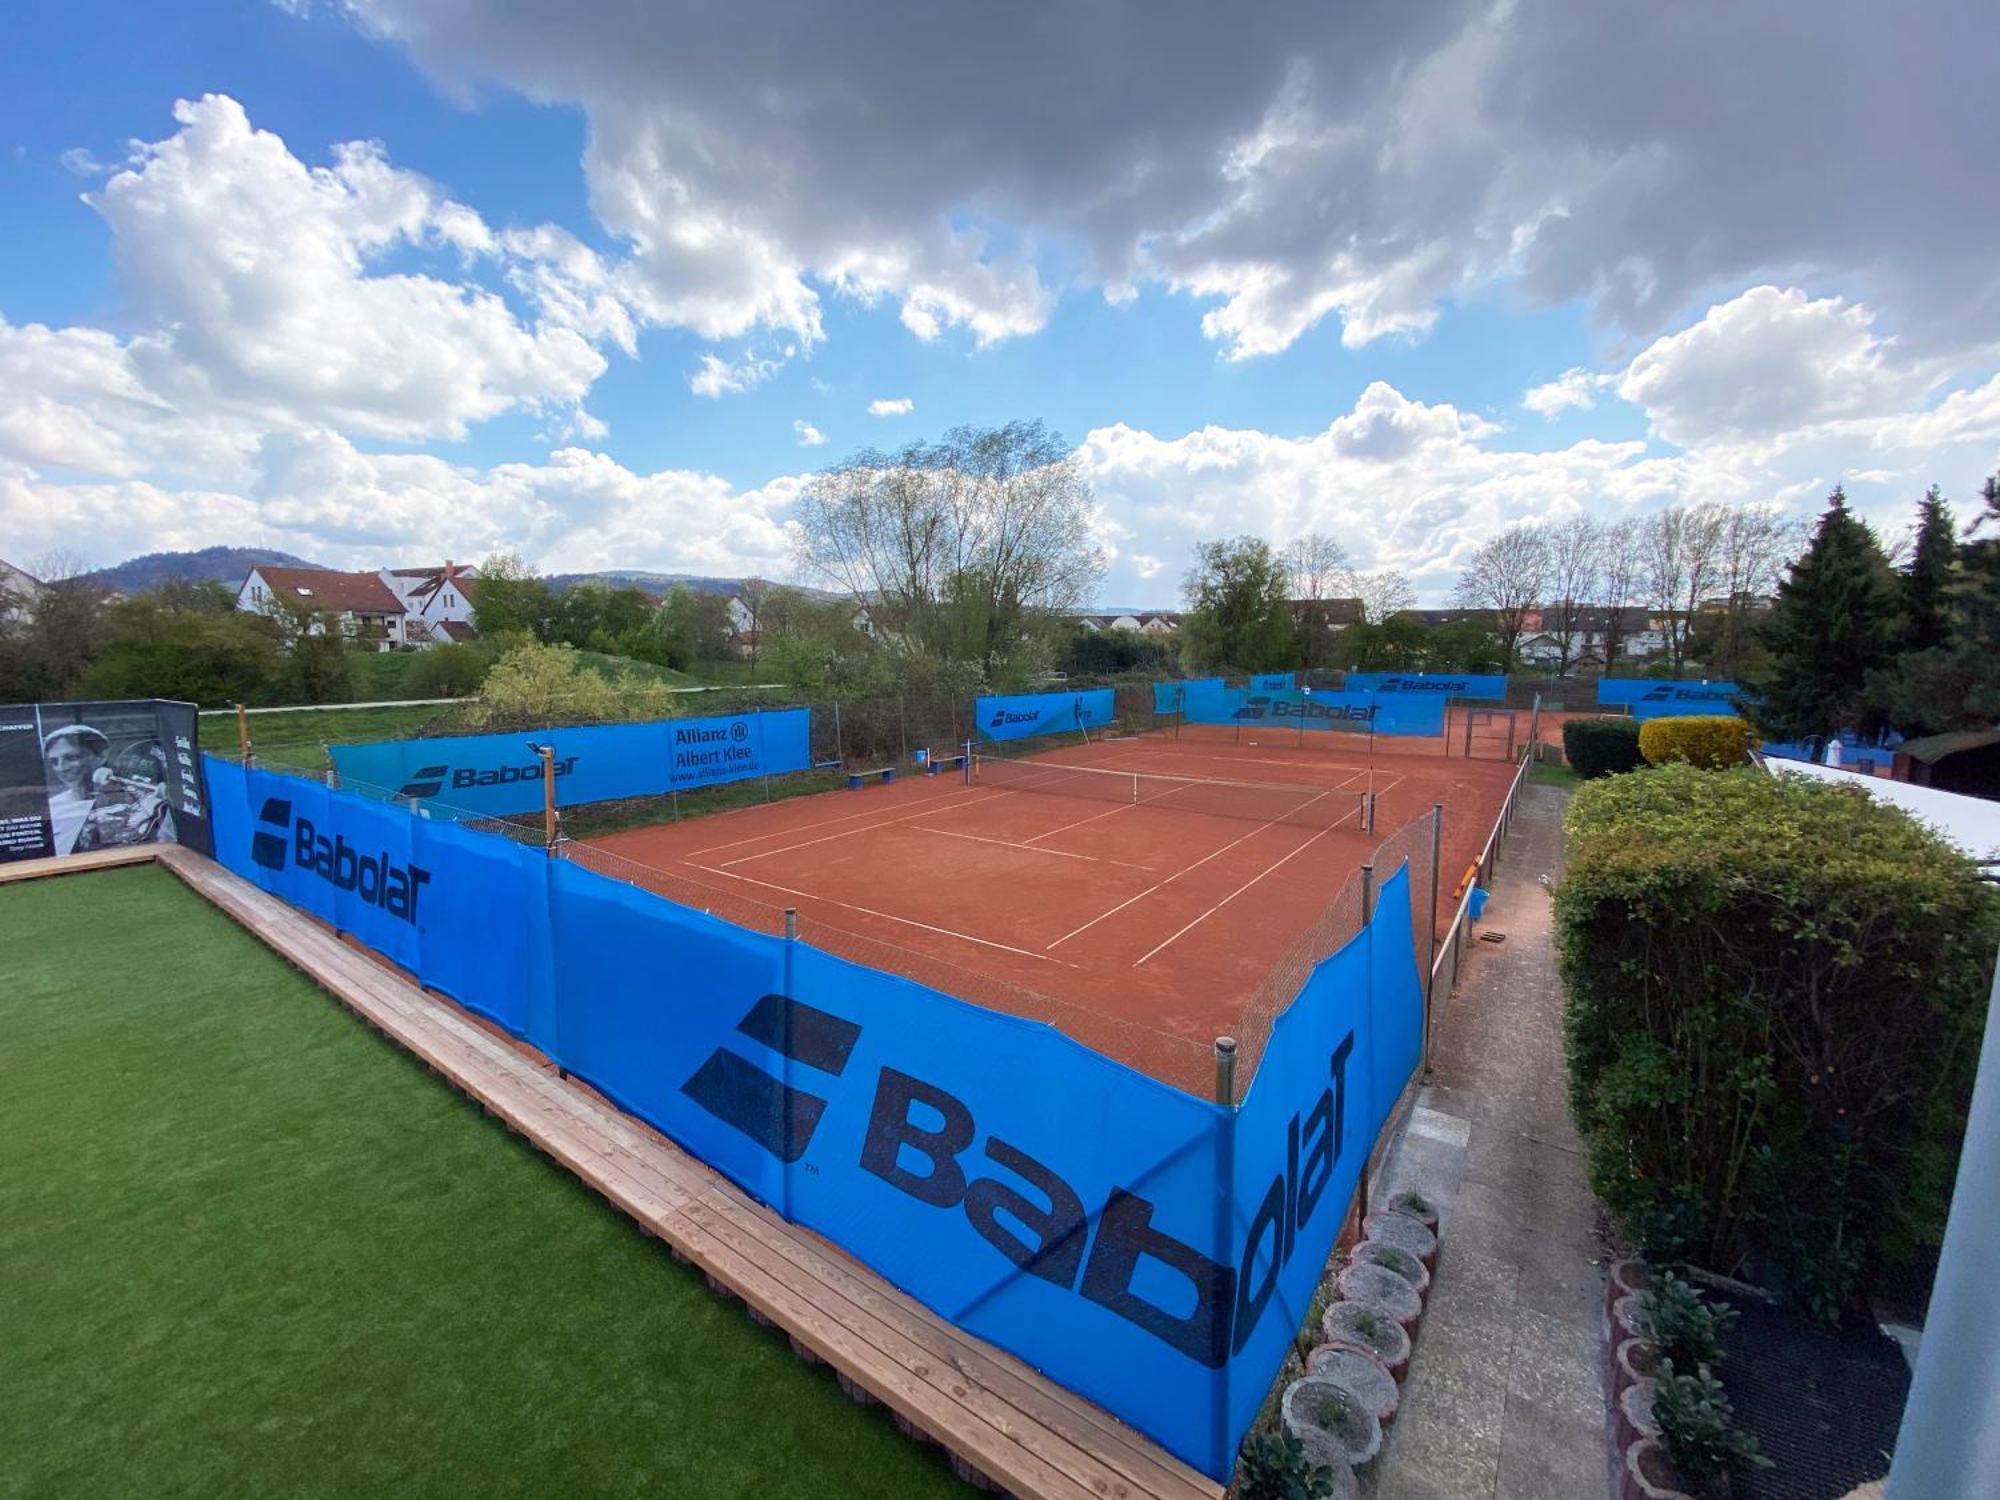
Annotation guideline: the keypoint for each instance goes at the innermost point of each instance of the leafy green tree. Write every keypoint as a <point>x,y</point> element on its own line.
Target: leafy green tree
<point>186,641</point>
<point>1837,617</point>
<point>510,600</point>
<point>1109,653</point>
<point>1238,611</point>
<point>1403,644</point>
<point>593,615</point>
<point>692,626</point>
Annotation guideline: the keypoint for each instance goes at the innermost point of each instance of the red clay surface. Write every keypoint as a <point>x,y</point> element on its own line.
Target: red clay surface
<point>1140,929</point>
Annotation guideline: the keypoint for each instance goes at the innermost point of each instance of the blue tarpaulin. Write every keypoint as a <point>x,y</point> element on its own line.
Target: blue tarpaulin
<point>496,774</point>
<point>1020,715</point>
<point>1406,714</point>
<point>1659,698</point>
<point>1144,1247</point>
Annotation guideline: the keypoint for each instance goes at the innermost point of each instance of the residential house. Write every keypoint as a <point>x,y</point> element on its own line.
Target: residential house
<point>437,602</point>
<point>1144,622</point>
<point>1640,635</point>
<point>1334,614</point>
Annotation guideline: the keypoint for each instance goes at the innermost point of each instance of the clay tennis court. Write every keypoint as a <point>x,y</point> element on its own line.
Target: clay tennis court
<point>1135,892</point>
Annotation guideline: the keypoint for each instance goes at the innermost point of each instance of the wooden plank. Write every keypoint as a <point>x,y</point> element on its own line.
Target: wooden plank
<point>991,1410</point>
<point>78,864</point>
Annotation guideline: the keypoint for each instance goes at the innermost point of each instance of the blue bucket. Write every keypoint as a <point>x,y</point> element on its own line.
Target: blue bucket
<point>1480,897</point>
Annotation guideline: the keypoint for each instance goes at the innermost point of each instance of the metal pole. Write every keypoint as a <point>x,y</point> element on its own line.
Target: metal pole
<point>1225,1071</point>
<point>966,748</point>
<point>1368,893</point>
<point>243,734</point>
<point>1950,1438</point>
<point>548,755</point>
<point>839,753</point>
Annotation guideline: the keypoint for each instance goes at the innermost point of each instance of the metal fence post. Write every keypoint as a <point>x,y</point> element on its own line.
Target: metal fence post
<point>1225,1071</point>
<point>243,735</point>
<point>1368,893</point>
<point>1431,946</point>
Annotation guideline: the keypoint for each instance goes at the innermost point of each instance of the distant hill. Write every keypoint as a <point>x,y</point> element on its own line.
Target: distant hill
<point>226,565</point>
<point>657,584</point>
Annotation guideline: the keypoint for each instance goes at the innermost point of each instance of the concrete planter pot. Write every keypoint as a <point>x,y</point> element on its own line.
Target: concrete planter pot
<point>1648,1475</point>
<point>1333,1426</point>
<point>1384,1292</point>
<point>1625,1320</point>
<point>1629,1278</point>
<point>1395,1258</point>
<point>1634,1415</point>
<point>1632,1361</point>
<point>1405,1233</point>
<point>1353,1325</point>
<point>1362,1374</point>
<point>1418,1207</point>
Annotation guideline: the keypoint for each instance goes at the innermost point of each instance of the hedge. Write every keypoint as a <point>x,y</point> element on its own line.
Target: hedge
<point>1775,993</point>
<point>1714,742</point>
<point>1599,747</point>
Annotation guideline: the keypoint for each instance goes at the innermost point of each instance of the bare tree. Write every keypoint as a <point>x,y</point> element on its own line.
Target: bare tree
<point>1621,568</point>
<point>754,594</point>
<point>1682,551</point>
<point>957,546</point>
<point>1316,566</point>
<point>1507,575</point>
<point>1576,549</point>
<point>1757,544</point>
<point>1382,593</point>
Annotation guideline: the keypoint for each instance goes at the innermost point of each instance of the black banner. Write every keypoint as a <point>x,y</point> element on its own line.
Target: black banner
<point>81,776</point>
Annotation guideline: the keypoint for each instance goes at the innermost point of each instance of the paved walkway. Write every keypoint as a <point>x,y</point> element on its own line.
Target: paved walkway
<point>1505,1398</point>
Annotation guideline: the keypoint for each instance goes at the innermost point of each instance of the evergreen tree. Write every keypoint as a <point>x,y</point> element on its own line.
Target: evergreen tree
<point>1955,683</point>
<point>1928,578</point>
<point>1837,617</point>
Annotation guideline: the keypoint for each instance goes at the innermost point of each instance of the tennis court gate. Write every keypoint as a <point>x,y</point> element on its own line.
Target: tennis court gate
<point>1489,733</point>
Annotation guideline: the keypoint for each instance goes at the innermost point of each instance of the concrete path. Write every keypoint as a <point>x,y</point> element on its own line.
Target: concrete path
<point>1505,1398</point>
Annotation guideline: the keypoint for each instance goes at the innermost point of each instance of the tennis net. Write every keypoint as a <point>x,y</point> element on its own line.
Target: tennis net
<point>1255,801</point>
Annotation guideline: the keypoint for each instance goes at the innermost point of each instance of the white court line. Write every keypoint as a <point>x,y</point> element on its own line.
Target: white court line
<point>778,833</point>
<point>1160,798</point>
<point>963,937</point>
<point>980,838</point>
<point>1239,891</point>
<point>827,838</point>
<point>1197,865</point>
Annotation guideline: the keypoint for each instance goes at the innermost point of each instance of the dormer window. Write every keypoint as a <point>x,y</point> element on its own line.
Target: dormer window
<point>304,592</point>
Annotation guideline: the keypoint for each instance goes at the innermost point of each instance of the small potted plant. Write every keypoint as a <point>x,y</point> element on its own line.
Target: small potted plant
<point>1705,1448</point>
<point>1395,1258</point>
<point>1405,1233</point>
<point>1418,1207</point>
<point>1335,1427</point>
<point>1276,1466</point>
<point>1361,1373</point>
<point>1358,1326</point>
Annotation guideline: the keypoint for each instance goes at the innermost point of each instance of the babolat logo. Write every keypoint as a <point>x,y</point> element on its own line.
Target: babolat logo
<point>920,1140</point>
<point>1320,708</point>
<point>1008,716</point>
<point>375,878</point>
<point>1253,708</point>
<point>1425,685</point>
<point>429,781</point>
<point>1677,692</point>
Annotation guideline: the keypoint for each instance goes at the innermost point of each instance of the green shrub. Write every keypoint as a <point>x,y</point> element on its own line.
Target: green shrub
<point>1275,1467</point>
<point>1601,747</point>
<point>1775,990</point>
<point>1698,1429</point>
<point>1715,742</point>
<point>1684,1325</point>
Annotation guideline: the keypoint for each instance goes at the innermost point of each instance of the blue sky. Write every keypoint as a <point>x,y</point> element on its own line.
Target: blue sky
<point>1366,277</point>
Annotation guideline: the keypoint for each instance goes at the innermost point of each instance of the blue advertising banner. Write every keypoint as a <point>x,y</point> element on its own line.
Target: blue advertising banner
<point>1274,682</point>
<point>1145,1247</point>
<point>1177,697</point>
<point>1407,714</point>
<point>1019,715</point>
<point>497,774</point>
<point>1452,684</point>
<point>1659,698</point>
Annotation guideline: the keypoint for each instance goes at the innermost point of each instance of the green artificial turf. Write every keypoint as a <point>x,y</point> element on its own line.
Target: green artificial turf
<point>248,1247</point>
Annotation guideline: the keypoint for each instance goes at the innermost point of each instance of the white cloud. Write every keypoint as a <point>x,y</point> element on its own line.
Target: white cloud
<point>718,377</point>
<point>809,435</point>
<point>1573,389</point>
<point>256,275</point>
<point>901,406</point>
<point>1769,363</point>
<point>82,161</point>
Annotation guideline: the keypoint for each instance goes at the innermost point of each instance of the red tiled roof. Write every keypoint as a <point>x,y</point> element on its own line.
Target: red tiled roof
<point>342,593</point>
<point>457,630</point>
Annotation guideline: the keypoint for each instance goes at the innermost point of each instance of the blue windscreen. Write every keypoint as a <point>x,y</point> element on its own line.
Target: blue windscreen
<point>1452,684</point>
<point>1017,716</point>
<point>1659,698</point>
<point>497,774</point>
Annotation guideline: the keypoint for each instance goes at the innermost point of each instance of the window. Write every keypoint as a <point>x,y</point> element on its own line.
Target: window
<point>304,592</point>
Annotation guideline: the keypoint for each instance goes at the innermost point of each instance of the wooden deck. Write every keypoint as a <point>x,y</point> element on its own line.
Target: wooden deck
<point>77,864</point>
<point>997,1417</point>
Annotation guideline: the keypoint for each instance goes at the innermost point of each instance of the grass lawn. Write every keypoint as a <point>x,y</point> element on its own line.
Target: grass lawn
<point>293,740</point>
<point>1544,774</point>
<point>251,1248</point>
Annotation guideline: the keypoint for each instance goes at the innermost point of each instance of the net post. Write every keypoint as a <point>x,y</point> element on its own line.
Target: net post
<point>243,735</point>
<point>1225,1071</point>
<point>966,750</point>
